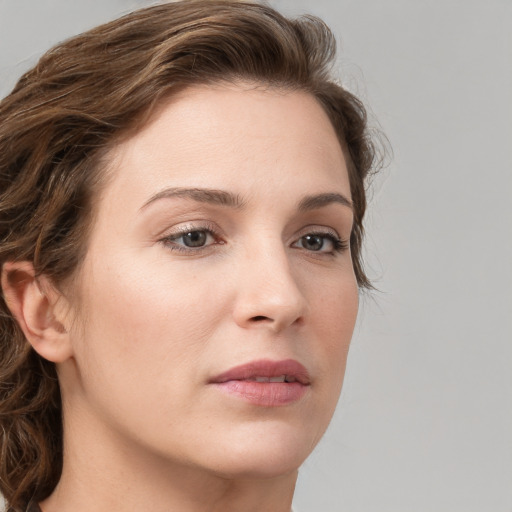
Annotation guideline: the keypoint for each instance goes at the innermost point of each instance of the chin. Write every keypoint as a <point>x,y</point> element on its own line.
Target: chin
<point>257,467</point>
<point>266,452</point>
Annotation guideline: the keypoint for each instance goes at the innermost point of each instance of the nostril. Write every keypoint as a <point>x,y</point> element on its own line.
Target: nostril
<point>259,318</point>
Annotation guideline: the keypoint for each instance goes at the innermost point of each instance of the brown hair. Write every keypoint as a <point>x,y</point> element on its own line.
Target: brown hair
<point>65,113</point>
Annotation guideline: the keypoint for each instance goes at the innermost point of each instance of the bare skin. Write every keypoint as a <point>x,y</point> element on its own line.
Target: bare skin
<point>179,286</point>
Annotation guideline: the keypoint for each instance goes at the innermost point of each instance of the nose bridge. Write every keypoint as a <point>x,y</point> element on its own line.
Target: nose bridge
<point>268,292</point>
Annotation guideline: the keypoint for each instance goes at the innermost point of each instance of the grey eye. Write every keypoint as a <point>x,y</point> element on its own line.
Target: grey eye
<point>321,242</point>
<point>194,238</point>
<point>313,242</point>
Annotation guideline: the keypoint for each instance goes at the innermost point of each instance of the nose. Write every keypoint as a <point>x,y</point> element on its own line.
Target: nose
<point>268,294</point>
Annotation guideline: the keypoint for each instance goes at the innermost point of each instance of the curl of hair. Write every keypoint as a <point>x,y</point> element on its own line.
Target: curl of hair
<point>57,124</point>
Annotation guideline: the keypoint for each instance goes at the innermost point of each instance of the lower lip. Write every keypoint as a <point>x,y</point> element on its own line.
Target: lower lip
<point>265,394</point>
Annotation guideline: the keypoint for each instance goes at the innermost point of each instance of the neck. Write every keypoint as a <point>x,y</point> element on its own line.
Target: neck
<point>103,472</point>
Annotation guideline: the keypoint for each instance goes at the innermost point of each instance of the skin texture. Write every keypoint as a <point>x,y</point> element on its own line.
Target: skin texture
<point>152,321</point>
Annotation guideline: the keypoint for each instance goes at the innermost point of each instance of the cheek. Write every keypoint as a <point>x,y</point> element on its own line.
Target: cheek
<point>334,318</point>
<point>144,323</point>
<point>335,305</point>
<point>333,311</point>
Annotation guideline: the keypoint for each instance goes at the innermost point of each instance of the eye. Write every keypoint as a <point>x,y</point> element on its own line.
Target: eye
<point>193,238</point>
<point>321,242</point>
<point>189,239</point>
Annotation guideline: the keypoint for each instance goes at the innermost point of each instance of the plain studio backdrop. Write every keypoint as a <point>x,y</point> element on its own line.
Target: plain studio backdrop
<point>424,423</point>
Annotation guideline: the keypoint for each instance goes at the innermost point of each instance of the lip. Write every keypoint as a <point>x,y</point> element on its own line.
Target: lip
<point>237,382</point>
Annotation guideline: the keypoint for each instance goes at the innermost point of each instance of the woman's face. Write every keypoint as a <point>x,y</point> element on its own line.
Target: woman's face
<point>218,263</point>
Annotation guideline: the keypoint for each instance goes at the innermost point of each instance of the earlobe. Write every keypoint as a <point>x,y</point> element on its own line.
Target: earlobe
<point>35,303</point>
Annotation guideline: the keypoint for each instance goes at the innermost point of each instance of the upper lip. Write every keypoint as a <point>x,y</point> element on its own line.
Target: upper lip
<point>265,368</point>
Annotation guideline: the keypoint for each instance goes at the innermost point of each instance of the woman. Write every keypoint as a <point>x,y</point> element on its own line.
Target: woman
<point>182,196</point>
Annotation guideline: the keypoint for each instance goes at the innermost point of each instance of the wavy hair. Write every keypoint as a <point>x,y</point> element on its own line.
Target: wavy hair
<point>66,112</point>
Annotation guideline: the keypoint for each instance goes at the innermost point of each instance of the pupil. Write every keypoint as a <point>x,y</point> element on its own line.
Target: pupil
<point>313,242</point>
<point>194,239</point>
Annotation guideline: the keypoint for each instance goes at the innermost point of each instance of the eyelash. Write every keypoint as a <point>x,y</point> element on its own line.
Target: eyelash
<point>339,245</point>
<point>170,240</point>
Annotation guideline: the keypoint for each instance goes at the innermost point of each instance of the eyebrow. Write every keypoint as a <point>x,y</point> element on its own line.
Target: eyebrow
<point>320,200</point>
<point>224,198</point>
<point>201,195</point>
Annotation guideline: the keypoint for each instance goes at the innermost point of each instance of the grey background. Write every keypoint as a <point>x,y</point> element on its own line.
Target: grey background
<point>425,419</point>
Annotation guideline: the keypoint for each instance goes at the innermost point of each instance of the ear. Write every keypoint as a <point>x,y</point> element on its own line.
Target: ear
<point>39,309</point>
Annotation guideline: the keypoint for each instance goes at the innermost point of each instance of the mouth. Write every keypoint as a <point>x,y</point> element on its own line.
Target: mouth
<point>265,383</point>
<point>280,378</point>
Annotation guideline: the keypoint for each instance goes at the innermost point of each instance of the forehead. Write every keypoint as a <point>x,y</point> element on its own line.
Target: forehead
<point>234,136</point>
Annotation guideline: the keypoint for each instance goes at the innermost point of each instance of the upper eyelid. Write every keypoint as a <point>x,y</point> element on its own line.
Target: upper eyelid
<point>185,230</point>
<point>323,231</point>
<point>340,244</point>
<point>214,230</point>
<point>192,226</point>
<point>170,240</point>
<point>319,230</point>
<point>335,238</point>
